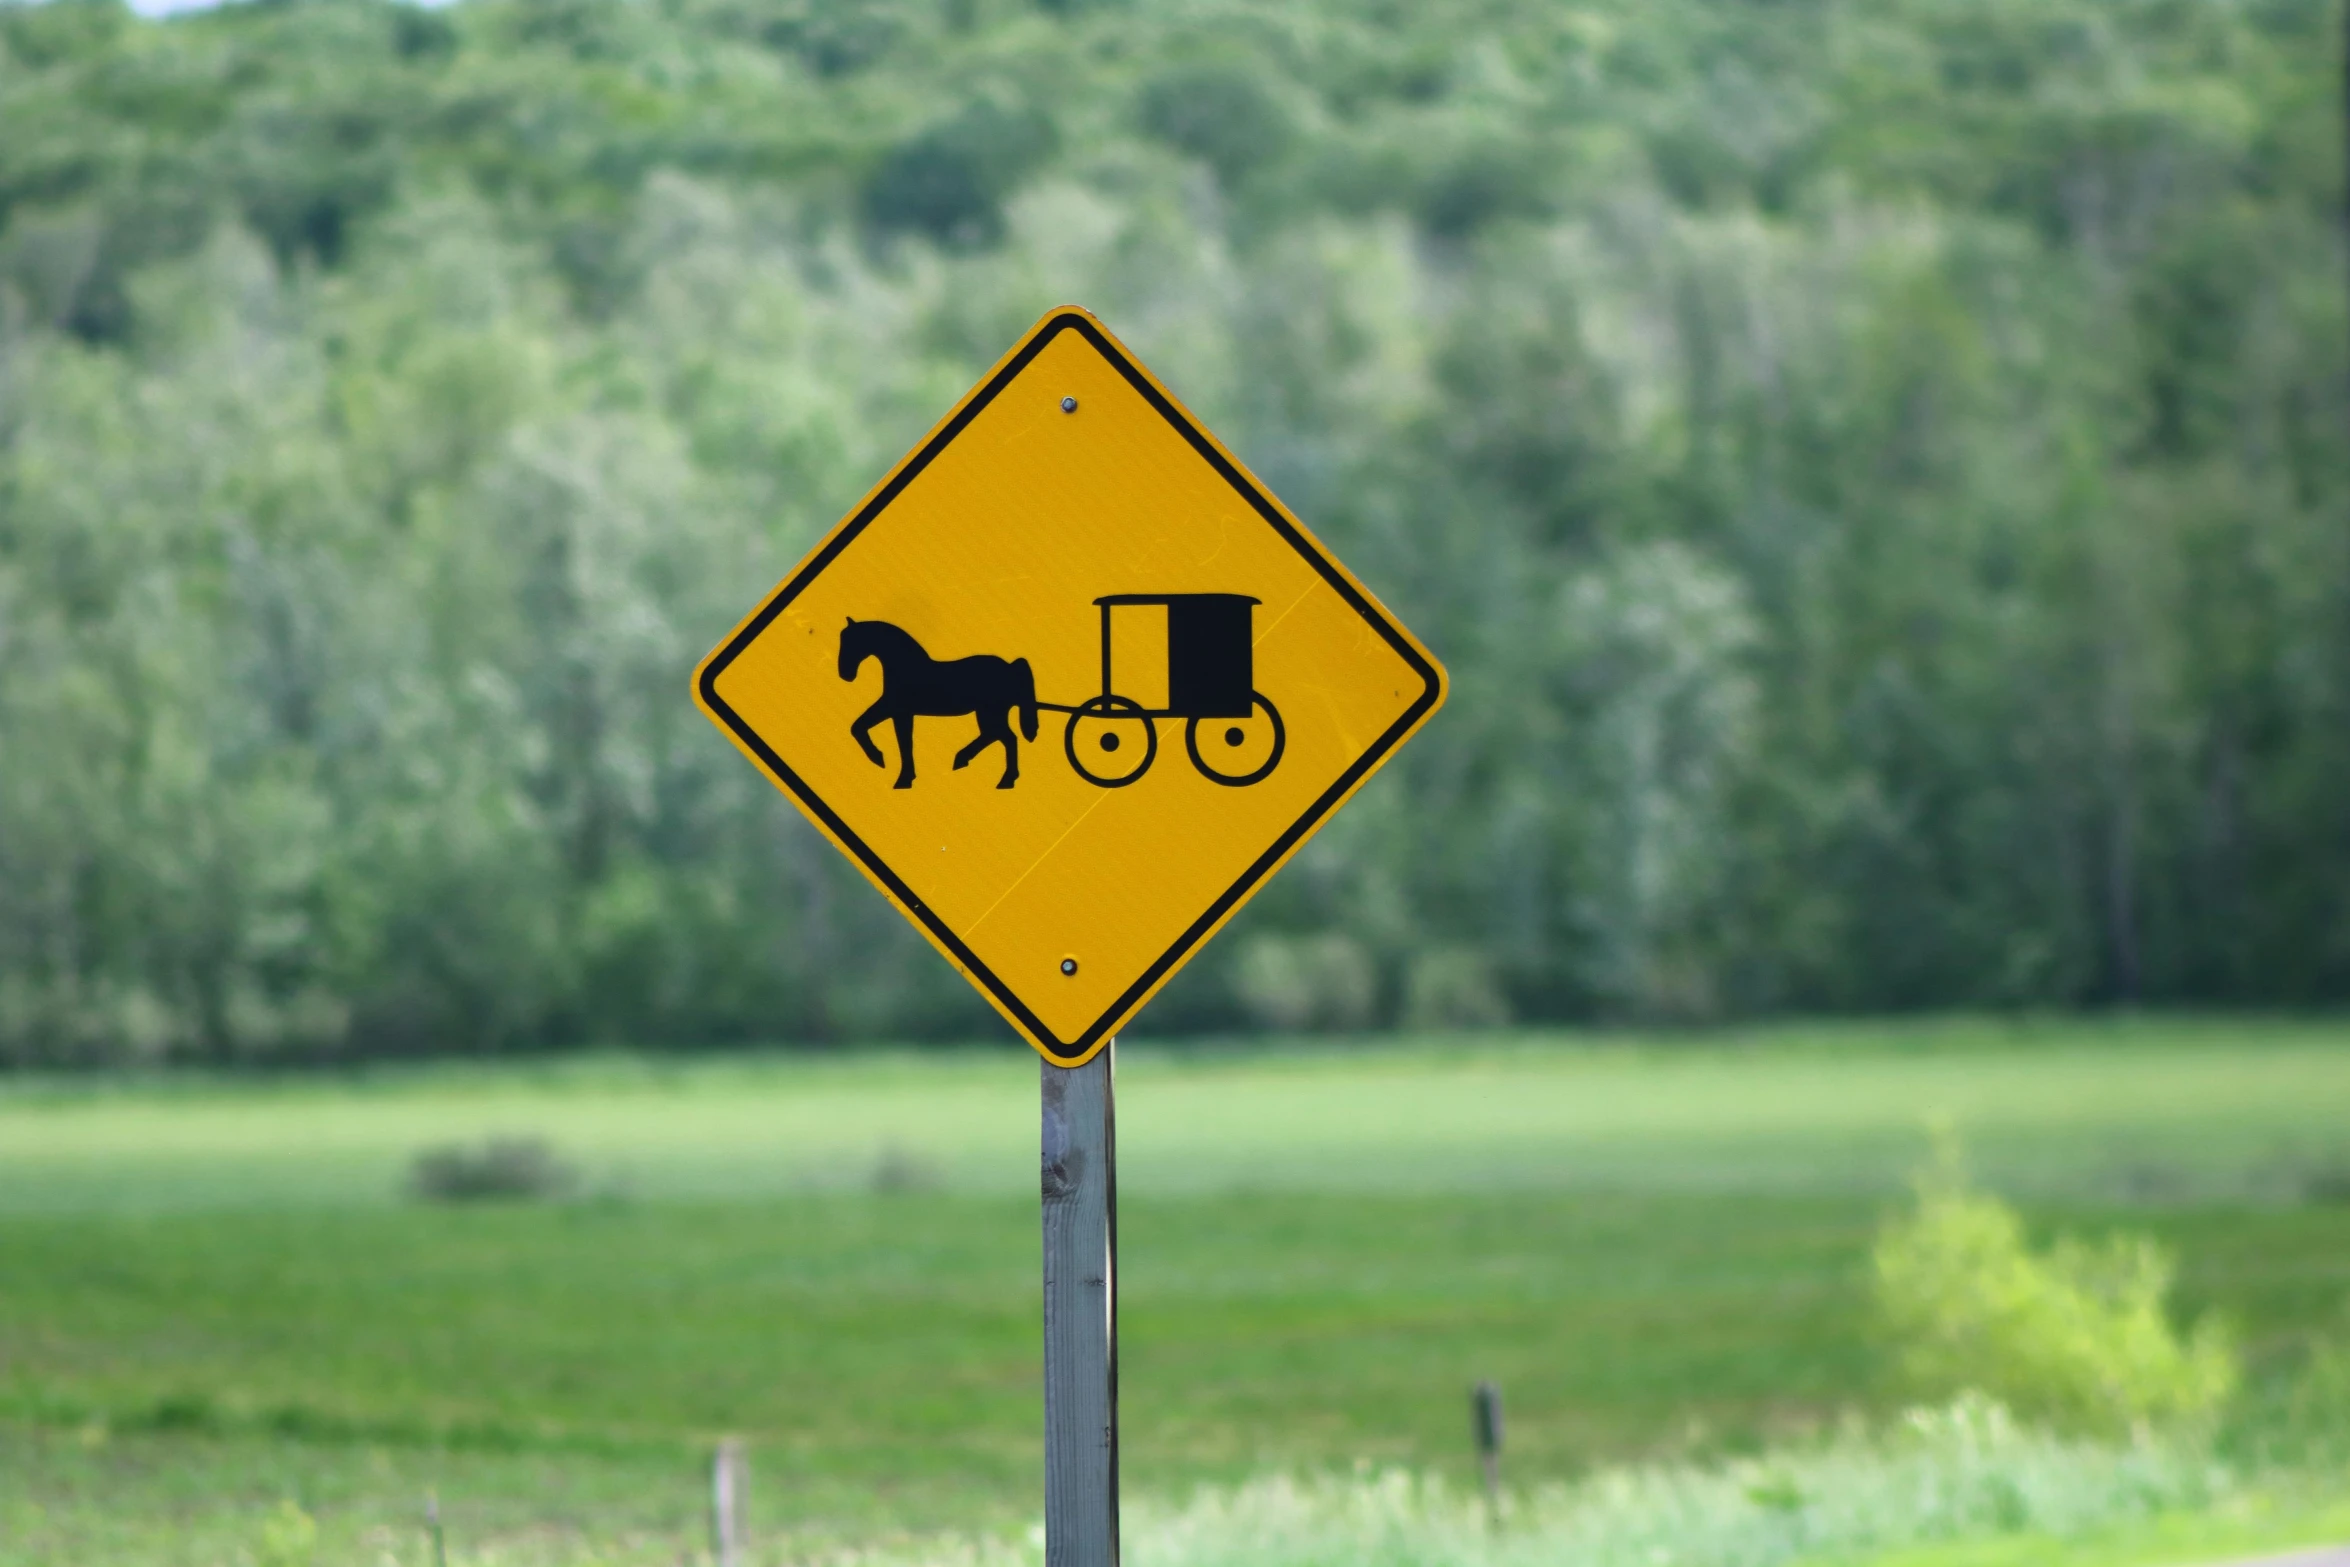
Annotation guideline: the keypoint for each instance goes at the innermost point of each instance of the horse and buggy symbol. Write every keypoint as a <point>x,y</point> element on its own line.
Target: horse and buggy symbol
<point>1232,732</point>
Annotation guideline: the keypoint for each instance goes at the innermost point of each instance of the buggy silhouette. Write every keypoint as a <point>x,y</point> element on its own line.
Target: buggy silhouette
<point>1210,675</point>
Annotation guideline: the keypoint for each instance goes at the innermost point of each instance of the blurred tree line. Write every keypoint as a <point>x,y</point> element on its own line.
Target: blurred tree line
<point>1876,470</point>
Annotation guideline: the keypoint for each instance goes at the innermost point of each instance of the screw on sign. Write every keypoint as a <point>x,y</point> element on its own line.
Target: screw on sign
<point>1069,547</point>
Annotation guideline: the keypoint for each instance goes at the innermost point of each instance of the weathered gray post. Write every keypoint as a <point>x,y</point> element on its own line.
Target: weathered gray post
<point>726,1500</point>
<point>1080,1148</point>
<point>1486,1402</point>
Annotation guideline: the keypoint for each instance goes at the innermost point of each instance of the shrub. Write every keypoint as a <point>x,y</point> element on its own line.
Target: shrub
<point>289,1537</point>
<point>1293,983</point>
<point>1481,186</point>
<point>1453,987</point>
<point>950,180</point>
<point>2328,1181</point>
<point>1223,115</point>
<point>2076,1335</point>
<point>898,1170</point>
<point>2317,1411</point>
<point>498,1169</point>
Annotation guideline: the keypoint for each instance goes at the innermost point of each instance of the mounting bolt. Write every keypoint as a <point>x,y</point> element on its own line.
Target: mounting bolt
<point>1068,965</point>
<point>1068,405</point>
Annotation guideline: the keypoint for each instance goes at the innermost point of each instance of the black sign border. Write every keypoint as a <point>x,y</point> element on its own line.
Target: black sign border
<point>1432,688</point>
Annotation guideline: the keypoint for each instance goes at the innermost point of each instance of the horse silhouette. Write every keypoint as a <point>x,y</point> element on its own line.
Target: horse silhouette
<point>915,684</point>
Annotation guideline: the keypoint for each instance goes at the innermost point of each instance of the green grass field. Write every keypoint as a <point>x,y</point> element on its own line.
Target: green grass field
<point>216,1295</point>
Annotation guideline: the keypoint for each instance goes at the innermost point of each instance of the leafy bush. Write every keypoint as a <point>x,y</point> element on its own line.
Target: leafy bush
<point>289,1537</point>
<point>1223,115</point>
<point>2076,1334</point>
<point>898,1170</point>
<point>949,181</point>
<point>2327,1182</point>
<point>1453,987</point>
<point>498,1169</point>
<point>2316,1421</point>
<point>1483,184</point>
<point>1293,983</point>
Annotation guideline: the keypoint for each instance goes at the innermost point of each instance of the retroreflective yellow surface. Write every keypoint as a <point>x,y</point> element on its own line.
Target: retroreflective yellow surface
<point>1133,683</point>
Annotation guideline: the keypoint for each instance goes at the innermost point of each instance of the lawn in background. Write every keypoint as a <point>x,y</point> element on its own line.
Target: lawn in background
<point>1655,1246</point>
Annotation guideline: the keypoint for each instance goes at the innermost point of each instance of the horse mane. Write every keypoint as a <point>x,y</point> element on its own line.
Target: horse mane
<point>877,637</point>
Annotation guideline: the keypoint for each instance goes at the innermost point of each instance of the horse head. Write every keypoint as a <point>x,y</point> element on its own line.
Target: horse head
<point>864,639</point>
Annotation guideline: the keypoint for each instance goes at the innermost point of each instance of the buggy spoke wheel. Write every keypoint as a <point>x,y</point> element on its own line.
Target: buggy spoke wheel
<point>1235,743</point>
<point>1111,741</point>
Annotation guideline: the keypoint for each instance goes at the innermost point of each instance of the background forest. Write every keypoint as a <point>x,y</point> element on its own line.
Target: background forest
<point>1876,470</point>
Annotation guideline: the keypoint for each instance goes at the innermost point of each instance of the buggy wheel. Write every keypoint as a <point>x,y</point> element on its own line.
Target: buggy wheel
<point>1109,724</point>
<point>1229,733</point>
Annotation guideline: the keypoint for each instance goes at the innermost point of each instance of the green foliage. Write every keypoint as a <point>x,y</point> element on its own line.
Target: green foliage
<point>1222,114</point>
<point>1653,1251</point>
<point>1874,472</point>
<point>1293,983</point>
<point>289,1537</point>
<point>213,1295</point>
<point>497,1169</point>
<point>950,181</point>
<point>2315,1418</point>
<point>1945,1488</point>
<point>1962,1472</point>
<point>2078,1334</point>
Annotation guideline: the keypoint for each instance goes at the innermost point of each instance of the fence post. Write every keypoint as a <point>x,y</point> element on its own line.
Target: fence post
<point>1080,1192</point>
<point>1487,1402</point>
<point>726,1495</point>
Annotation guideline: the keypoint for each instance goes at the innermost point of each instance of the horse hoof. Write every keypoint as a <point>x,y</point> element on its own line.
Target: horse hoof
<point>903,783</point>
<point>1005,783</point>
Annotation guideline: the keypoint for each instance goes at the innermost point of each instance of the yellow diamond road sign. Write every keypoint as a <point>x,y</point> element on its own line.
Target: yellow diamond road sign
<point>1068,685</point>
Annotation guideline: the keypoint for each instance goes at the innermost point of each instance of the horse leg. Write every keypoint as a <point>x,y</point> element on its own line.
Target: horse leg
<point>994,730</point>
<point>859,731</point>
<point>1003,732</point>
<point>905,723</point>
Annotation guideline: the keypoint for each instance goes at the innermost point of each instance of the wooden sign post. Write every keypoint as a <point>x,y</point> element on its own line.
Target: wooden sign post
<point>1068,577</point>
<point>1080,1189</point>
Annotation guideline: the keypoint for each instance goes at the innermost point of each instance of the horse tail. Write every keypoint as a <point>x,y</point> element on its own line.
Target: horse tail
<point>1025,679</point>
